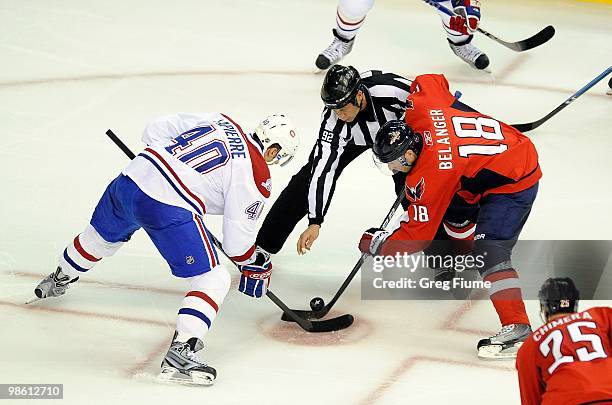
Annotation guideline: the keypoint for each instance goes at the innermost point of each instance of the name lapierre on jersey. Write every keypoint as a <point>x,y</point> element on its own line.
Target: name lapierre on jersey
<point>236,143</point>
<point>238,150</point>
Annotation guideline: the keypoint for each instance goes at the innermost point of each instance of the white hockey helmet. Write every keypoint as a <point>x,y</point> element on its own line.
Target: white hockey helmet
<point>278,129</point>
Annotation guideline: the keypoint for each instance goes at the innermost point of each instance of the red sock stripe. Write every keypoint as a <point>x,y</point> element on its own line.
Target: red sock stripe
<point>82,252</point>
<point>205,297</point>
<point>348,23</point>
<point>501,275</point>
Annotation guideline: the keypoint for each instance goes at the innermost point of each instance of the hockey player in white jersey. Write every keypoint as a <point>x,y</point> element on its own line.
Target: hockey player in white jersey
<point>194,165</point>
<point>460,29</point>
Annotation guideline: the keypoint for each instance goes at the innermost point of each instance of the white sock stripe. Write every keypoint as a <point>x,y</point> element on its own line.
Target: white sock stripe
<point>504,284</point>
<point>76,257</point>
<point>459,235</point>
<point>200,305</point>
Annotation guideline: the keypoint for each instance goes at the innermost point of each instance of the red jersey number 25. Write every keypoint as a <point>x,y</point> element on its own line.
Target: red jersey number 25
<point>483,128</point>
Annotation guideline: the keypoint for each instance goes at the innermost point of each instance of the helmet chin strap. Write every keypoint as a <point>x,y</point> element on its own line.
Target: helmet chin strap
<point>402,160</point>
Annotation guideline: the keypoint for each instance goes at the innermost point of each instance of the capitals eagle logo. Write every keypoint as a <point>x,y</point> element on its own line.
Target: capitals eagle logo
<point>415,193</point>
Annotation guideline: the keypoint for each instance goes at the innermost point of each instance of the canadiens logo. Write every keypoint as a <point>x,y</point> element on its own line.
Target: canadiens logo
<point>415,193</point>
<point>427,137</point>
<point>267,185</point>
<point>409,104</point>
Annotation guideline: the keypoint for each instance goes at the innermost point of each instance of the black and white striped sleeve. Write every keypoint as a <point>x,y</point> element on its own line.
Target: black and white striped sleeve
<point>326,156</point>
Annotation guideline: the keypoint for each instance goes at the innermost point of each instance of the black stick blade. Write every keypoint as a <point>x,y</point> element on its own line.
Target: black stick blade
<point>538,39</point>
<point>305,314</point>
<point>332,325</point>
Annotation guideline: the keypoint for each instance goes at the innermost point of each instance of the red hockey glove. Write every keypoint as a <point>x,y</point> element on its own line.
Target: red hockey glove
<point>467,18</point>
<point>372,240</point>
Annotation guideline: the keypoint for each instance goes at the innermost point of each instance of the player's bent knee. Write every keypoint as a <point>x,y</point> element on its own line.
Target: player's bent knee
<point>92,242</point>
<point>355,9</point>
<point>216,283</point>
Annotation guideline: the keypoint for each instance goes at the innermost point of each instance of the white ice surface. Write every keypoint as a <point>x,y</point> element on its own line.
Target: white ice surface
<point>72,69</point>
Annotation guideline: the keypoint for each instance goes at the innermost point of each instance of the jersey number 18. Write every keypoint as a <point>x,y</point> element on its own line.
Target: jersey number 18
<point>479,127</point>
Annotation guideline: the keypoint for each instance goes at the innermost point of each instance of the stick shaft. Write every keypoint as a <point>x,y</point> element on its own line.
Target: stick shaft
<point>533,125</point>
<point>359,263</point>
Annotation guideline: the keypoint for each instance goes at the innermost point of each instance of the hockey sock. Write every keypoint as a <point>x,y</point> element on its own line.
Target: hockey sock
<point>350,16</point>
<point>201,303</point>
<point>85,251</point>
<point>505,294</point>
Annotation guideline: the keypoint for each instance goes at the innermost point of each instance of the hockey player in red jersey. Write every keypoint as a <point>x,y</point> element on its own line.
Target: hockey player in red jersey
<point>462,162</point>
<point>567,360</point>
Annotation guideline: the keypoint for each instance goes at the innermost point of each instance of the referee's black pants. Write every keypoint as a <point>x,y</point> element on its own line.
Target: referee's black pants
<point>292,203</point>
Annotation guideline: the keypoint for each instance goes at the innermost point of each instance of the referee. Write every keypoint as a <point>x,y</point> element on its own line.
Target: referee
<point>356,106</point>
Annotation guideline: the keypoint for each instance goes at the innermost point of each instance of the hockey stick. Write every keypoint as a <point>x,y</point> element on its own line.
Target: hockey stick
<point>519,46</point>
<point>318,301</point>
<point>329,325</point>
<point>532,125</point>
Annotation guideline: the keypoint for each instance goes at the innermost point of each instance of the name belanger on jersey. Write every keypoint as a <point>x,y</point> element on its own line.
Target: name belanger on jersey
<point>445,156</point>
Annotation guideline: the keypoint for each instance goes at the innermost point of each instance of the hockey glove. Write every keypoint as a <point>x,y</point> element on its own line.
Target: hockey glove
<point>372,240</point>
<point>467,18</point>
<point>255,276</point>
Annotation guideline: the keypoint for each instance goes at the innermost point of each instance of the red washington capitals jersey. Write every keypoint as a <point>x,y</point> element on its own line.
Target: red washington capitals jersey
<point>567,361</point>
<point>464,152</point>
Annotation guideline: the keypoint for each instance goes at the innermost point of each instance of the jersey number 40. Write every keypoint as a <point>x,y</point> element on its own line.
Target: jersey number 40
<point>192,149</point>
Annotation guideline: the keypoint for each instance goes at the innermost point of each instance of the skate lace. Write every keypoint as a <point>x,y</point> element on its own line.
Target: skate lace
<point>468,52</point>
<point>504,330</point>
<point>193,356</point>
<point>336,50</point>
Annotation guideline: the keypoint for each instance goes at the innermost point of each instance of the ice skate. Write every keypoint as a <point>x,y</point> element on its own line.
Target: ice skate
<point>338,49</point>
<point>505,343</point>
<point>183,365</point>
<point>54,285</point>
<point>470,54</point>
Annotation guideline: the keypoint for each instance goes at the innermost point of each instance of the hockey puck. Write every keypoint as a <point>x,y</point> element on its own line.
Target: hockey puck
<point>317,304</point>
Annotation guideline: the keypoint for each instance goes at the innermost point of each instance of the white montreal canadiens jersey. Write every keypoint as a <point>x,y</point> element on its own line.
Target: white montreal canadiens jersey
<point>206,164</point>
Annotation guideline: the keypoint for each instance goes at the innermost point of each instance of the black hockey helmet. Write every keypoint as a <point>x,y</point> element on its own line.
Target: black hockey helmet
<point>340,86</point>
<point>393,139</point>
<point>558,295</point>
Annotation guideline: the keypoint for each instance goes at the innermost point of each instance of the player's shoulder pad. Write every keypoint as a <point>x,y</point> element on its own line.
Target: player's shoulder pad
<point>429,83</point>
<point>261,172</point>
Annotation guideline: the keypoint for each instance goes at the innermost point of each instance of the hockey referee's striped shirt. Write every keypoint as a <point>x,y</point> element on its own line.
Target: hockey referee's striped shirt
<point>386,95</point>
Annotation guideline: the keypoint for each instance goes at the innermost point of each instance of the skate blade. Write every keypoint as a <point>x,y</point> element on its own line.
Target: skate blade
<point>316,70</point>
<point>33,300</point>
<point>173,376</point>
<point>497,352</point>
